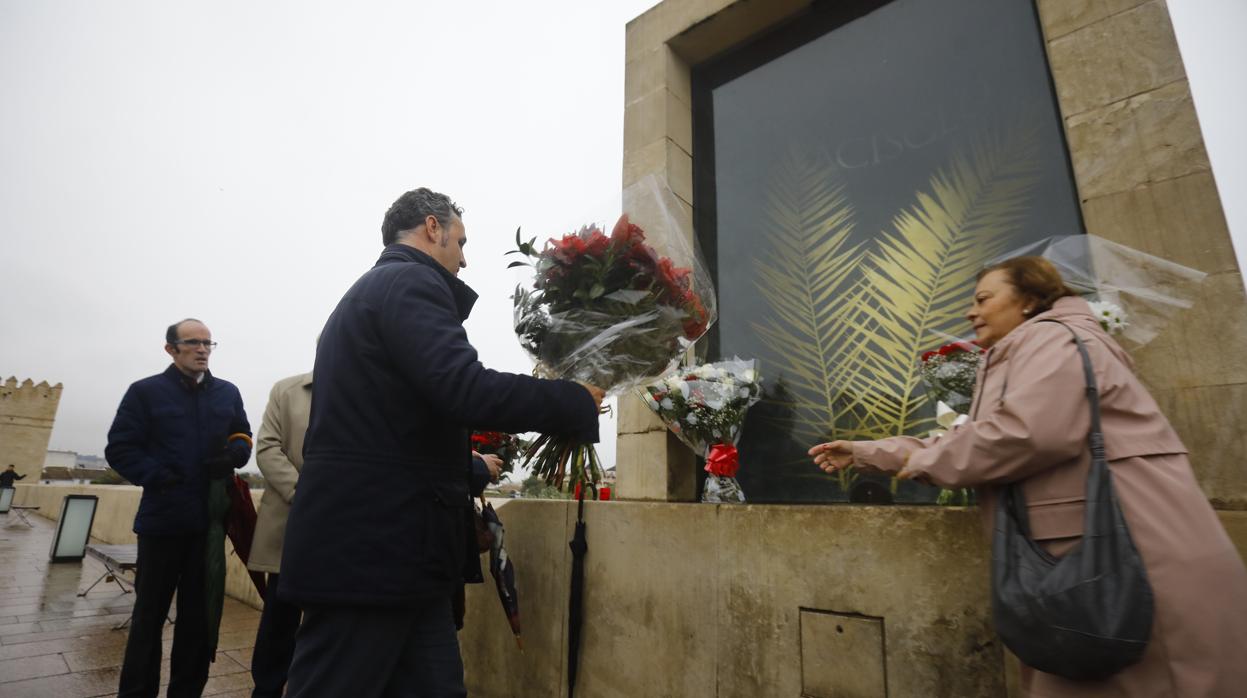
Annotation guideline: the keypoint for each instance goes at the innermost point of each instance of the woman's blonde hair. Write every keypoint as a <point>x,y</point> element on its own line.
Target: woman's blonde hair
<point>1035,278</point>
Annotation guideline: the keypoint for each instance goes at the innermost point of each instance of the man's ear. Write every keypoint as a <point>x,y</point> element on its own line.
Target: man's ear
<point>432,229</point>
<point>171,350</point>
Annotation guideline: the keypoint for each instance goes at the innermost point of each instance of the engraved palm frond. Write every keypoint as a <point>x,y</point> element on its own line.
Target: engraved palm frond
<point>803,277</point>
<point>917,282</point>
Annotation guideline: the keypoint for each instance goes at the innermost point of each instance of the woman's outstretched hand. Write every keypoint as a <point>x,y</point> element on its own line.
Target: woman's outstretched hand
<point>833,456</point>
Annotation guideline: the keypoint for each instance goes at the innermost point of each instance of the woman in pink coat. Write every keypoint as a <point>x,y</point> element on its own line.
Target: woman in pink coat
<point>1029,424</point>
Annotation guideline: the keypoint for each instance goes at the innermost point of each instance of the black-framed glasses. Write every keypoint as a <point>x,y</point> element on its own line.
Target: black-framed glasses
<point>205,343</point>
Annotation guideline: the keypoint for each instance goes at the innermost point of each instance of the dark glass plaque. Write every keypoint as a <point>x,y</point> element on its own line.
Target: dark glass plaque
<point>854,170</point>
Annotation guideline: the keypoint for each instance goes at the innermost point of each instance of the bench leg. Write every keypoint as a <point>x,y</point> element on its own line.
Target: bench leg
<point>112,575</point>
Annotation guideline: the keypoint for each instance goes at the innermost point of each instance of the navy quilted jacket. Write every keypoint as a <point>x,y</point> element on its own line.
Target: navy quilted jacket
<point>381,515</point>
<point>166,426</point>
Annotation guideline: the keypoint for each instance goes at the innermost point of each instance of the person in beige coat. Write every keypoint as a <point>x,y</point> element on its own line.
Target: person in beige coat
<point>279,453</point>
<point>1029,424</point>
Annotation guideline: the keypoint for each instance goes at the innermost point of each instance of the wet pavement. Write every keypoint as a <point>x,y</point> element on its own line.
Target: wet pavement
<point>57,644</point>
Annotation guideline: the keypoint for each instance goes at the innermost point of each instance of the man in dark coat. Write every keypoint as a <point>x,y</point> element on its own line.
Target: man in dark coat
<point>174,432</point>
<point>10,474</point>
<point>379,537</point>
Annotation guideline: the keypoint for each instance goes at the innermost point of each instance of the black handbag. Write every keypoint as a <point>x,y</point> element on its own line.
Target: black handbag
<point>1088,614</point>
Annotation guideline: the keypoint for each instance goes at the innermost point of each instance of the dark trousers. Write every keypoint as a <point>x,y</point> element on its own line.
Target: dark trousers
<point>377,652</point>
<point>274,643</point>
<point>167,564</point>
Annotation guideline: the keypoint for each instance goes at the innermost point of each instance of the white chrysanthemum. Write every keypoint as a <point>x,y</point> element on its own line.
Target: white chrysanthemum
<point>749,376</point>
<point>1112,318</point>
<point>691,418</point>
<point>667,404</point>
<point>649,400</point>
<point>673,381</point>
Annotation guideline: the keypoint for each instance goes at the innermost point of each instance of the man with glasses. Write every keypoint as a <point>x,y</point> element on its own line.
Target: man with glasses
<point>174,433</point>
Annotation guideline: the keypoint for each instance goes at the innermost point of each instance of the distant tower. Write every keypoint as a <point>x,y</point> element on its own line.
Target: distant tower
<point>27,412</point>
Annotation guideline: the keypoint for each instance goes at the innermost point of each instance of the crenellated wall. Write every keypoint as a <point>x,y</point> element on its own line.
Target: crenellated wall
<point>27,412</point>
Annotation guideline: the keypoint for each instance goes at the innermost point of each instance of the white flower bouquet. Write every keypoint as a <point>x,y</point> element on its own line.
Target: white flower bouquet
<point>705,407</point>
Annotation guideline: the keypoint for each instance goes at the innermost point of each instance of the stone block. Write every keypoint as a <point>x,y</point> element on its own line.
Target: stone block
<point>1060,17</point>
<point>841,655</point>
<point>641,160</point>
<point>650,591</point>
<point>731,24</point>
<point>1203,345</point>
<point>1180,220</point>
<point>657,115</point>
<point>536,540</point>
<point>654,466</point>
<point>657,25</point>
<point>635,417</point>
<point>1125,54</point>
<point>1148,138</point>
<point>654,70</point>
<point>680,171</point>
<point>641,466</point>
<point>923,570</point>
<point>1210,421</point>
<point>665,159</point>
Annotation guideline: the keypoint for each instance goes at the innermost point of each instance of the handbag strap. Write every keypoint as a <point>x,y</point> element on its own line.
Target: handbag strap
<point>1097,484</point>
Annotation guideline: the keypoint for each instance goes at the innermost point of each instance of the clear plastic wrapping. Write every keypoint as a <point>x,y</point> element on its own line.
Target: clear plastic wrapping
<point>618,308</point>
<point>1147,291</point>
<point>704,406</point>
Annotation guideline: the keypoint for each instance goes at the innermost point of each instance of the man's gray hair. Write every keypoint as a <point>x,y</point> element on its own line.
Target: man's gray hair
<point>411,210</point>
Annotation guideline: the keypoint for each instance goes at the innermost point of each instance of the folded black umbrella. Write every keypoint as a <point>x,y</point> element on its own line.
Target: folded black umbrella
<point>502,570</point>
<point>579,548</point>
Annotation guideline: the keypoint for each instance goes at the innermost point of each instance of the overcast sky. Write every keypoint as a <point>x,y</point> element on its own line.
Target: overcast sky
<point>232,161</point>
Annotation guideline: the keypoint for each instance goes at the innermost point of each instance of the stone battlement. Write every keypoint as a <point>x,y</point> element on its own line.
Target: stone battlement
<point>27,413</point>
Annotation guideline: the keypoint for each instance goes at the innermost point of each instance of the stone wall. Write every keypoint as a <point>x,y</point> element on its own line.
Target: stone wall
<point>705,600</point>
<point>27,411</point>
<point>114,522</point>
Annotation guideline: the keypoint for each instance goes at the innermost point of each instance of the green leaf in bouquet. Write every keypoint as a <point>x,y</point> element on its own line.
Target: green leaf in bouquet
<point>528,249</point>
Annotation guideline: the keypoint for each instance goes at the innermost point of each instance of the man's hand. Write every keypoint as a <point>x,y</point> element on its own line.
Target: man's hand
<point>494,463</point>
<point>595,392</point>
<point>833,456</point>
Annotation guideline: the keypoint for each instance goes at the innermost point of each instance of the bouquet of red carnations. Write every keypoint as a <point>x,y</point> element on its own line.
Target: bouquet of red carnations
<point>508,447</point>
<point>949,373</point>
<point>705,407</point>
<point>613,310</point>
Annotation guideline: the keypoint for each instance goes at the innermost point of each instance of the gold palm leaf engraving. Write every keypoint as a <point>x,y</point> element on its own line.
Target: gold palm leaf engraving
<point>804,278</point>
<point>916,284</point>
